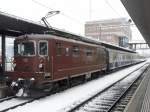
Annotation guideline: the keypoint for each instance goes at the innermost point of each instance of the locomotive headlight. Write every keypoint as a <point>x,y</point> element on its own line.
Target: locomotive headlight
<point>7,78</point>
<point>40,65</point>
<point>32,79</point>
<point>20,79</point>
<point>16,84</point>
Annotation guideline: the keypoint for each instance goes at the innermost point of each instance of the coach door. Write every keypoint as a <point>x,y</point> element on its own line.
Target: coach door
<point>44,60</point>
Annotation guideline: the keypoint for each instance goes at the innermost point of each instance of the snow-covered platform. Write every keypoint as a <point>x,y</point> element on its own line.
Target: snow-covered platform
<point>140,101</point>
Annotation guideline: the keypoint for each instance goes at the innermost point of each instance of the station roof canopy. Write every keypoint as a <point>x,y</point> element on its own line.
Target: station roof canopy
<point>11,25</point>
<point>15,26</point>
<point>139,12</point>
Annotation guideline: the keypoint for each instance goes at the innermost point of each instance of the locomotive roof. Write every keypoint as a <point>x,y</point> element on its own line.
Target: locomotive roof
<point>66,34</point>
<point>48,36</point>
<point>80,40</point>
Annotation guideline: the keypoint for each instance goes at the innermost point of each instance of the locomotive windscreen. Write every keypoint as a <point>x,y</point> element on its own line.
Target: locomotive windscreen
<point>24,48</point>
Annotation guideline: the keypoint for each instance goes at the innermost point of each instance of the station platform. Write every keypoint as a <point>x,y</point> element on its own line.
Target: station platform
<point>140,101</point>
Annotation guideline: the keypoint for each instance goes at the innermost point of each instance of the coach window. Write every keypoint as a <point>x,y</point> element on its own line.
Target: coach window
<point>43,48</point>
<point>58,49</point>
<point>75,50</point>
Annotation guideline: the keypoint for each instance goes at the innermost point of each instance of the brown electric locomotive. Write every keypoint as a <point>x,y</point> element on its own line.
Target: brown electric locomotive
<point>44,61</point>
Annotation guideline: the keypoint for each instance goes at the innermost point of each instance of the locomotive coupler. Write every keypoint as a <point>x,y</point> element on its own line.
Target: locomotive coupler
<point>21,87</point>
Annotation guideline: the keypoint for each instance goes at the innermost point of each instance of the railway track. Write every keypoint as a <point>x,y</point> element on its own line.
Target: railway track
<point>121,105</point>
<point>108,99</point>
<point>6,98</point>
<point>12,102</point>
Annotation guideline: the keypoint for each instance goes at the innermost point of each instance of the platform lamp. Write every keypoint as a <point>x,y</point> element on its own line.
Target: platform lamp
<point>49,14</point>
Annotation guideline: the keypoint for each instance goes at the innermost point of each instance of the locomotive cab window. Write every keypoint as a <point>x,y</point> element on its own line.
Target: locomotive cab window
<point>24,48</point>
<point>43,48</point>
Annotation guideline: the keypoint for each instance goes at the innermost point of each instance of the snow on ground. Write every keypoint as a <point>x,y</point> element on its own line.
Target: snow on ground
<point>10,103</point>
<point>62,101</point>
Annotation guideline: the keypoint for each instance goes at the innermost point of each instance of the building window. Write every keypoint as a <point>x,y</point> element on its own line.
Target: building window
<point>58,49</point>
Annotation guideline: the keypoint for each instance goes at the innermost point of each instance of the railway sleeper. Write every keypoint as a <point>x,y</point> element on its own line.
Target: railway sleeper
<point>104,104</point>
<point>94,106</point>
<point>88,109</point>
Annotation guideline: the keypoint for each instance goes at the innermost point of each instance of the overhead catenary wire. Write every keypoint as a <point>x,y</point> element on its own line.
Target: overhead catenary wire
<point>107,2</point>
<point>75,20</point>
<point>41,4</point>
<point>62,13</point>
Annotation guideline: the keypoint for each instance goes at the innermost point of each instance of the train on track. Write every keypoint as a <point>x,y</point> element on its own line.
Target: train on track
<point>47,62</point>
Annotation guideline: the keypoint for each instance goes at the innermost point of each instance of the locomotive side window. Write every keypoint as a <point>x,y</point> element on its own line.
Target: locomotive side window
<point>89,51</point>
<point>24,48</point>
<point>67,52</point>
<point>43,48</point>
<point>58,49</point>
<point>75,50</point>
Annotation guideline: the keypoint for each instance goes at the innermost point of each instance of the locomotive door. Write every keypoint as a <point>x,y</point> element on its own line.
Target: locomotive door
<point>44,58</point>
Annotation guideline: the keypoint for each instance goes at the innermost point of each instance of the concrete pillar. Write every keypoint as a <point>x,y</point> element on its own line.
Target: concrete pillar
<point>3,52</point>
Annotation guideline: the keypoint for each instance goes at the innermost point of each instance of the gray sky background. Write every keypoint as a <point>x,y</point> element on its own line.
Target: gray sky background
<point>74,13</point>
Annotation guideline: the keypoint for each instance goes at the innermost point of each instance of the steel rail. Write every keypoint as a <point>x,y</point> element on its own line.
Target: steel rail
<point>15,106</point>
<point>21,104</point>
<point>124,93</point>
<point>104,90</point>
<point>7,98</point>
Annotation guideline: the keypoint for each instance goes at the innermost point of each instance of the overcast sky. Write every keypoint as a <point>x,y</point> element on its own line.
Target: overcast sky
<point>74,13</point>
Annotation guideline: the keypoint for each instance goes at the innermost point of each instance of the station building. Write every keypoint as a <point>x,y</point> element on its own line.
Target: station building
<point>114,31</point>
